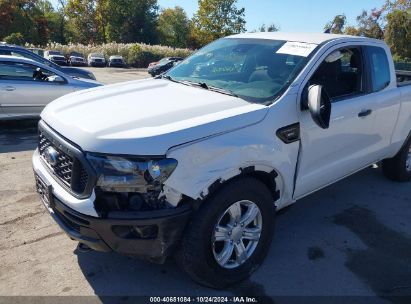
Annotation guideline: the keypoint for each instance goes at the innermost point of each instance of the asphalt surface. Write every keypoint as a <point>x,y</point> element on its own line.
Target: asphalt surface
<point>114,75</point>
<point>350,241</point>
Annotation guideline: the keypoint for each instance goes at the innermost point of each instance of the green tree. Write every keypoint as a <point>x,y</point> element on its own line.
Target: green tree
<point>337,25</point>
<point>267,28</point>
<point>370,24</point>
<point>351,30</point>
<point>129,20</point>
<point>217,18</point>
<point>398,33</point>
<point>58,19</point>
<point>33,19</point>
<point>82,24</point>
<point>402,5</point>
<point>15,38</point>
<point>173,27</point>
<point>193,40</point>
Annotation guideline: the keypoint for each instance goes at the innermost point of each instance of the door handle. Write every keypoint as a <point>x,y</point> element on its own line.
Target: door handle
<point>9,88</point>
<point>364,113</point>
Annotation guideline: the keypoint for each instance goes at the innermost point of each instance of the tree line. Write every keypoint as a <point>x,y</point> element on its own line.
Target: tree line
<point>391,22</point>
<point>95,22</point>
<point>123,21</point>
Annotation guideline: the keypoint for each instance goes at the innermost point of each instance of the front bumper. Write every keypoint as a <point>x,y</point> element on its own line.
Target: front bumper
<point>78,63</point>
<point>115,64</point>
<point>151,235</point>
<point>97,64</point>
<point>116,233</point>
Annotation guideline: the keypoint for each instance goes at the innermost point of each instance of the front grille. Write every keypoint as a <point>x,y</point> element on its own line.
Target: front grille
<point>98,60</point>
<point>66,168</point>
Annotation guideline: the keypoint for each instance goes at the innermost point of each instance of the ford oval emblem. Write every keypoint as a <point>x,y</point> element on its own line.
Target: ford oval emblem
<point>51,156</point>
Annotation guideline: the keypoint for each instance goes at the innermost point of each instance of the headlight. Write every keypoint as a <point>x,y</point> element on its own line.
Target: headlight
<point>124,174</point>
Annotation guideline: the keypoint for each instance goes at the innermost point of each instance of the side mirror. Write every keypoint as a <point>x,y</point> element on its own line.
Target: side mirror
<point>319,105</point>
<point>56,78</point>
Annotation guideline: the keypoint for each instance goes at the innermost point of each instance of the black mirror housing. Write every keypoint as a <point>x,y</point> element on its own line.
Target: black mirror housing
<point>319,105</point>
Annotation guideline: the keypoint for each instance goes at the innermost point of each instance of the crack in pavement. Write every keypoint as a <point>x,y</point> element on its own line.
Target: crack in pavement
<point>20,218</point>
<point>51,235</point>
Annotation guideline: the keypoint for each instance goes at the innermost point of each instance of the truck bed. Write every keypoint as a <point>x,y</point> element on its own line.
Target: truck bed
<point>403,77</point>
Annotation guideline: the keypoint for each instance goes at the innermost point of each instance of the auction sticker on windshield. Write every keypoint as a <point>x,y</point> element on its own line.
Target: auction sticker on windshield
<point>297,48</point>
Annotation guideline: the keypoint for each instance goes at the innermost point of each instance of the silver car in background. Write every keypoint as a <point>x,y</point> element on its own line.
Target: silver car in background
<point>96,59</point>
<point>55,56</point>
<point>27,86</point>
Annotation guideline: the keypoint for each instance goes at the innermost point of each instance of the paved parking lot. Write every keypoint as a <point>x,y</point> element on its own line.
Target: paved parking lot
<point>350,239</point>
<point>113,75</point>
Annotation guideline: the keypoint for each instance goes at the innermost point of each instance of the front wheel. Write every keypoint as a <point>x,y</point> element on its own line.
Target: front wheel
<point>398,168</point>
<point>229,236</point>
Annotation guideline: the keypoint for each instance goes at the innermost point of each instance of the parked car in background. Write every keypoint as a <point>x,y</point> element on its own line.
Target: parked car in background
<point>56,57</point>
<point>37,51</point>
<point>14,50</point>
<point>76,59</point>
<point>163,65</point>
<point>96,59</point>
<point>152,64</point>
<point>116,61</point>
<point>28,86</point>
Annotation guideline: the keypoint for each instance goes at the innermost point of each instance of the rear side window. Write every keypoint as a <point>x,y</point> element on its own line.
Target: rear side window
<point>380,69</point>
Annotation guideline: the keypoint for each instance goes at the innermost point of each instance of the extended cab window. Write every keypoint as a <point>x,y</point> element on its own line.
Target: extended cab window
<point>341,73</point>
<point>380,69</point>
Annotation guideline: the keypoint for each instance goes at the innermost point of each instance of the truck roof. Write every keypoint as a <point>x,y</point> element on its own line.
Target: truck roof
<point>316,38</point>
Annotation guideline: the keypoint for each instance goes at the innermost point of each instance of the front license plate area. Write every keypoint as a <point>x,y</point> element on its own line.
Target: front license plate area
<point>45,191</point>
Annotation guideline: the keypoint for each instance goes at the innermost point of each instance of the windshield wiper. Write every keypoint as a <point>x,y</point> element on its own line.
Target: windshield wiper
<point>216,89</point>
<point>168,77</point>
<point>163,76</point>
<point>205,86</point>
<point>199,84</point>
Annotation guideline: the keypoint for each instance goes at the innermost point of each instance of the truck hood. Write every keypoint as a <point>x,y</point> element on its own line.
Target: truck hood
<point>146,117</point>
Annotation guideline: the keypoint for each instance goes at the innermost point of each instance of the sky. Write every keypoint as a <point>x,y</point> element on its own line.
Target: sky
<point>289,15</point>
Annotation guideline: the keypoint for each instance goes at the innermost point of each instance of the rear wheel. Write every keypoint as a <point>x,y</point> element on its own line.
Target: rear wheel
<point>398,168</point>
<point>229,236</point>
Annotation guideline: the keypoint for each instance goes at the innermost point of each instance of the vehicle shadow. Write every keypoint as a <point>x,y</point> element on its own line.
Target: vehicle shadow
<point>321,248</point>
<point>111,274</point>
<point>18,135</point>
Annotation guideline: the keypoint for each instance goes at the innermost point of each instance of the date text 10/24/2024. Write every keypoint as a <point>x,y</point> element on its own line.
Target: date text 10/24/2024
<point>203,299</point>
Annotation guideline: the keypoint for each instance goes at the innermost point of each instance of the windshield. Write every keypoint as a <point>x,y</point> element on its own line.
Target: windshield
<point>55,53</point>
<point>257,70</point>
<point>164,60</point>
<point>96,55</point>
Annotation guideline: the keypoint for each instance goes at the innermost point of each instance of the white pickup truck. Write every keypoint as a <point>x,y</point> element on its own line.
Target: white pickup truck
<point>196,162</point>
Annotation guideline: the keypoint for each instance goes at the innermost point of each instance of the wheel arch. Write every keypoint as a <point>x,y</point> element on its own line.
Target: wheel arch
<point>269,177</point>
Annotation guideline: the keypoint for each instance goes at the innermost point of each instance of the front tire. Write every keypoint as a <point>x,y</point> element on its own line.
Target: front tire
<point>230,235</point>
<point>398,168</point>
